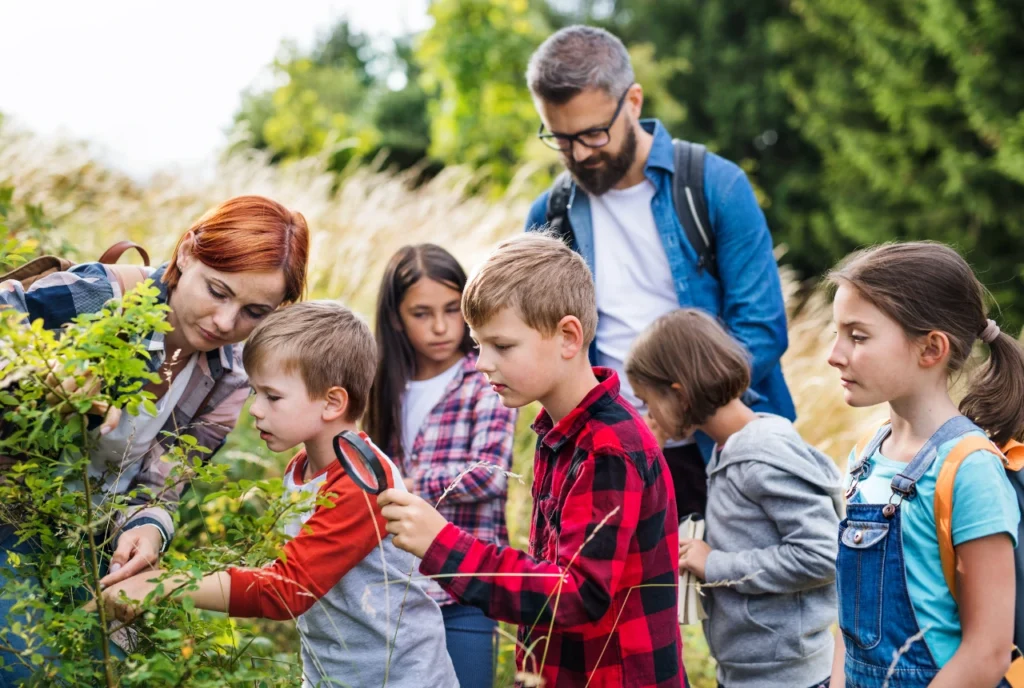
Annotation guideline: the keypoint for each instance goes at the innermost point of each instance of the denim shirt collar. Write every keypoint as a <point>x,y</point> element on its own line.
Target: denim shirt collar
<point>662,155</point>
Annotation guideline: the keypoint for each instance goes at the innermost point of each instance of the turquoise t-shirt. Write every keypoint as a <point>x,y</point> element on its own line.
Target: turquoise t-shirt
<point>985,504</point>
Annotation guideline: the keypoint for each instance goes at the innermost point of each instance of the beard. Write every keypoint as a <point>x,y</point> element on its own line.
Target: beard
<point>601,171</point>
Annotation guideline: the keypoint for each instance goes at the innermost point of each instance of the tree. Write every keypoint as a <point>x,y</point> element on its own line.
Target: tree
<point>919,125</point>
<point>336,100</point>
<point>474,65</point>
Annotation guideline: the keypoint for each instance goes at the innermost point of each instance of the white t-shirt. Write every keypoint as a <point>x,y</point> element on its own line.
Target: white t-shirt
<point>118,455</point>
<point>634,282</point>
<point>420,398</point>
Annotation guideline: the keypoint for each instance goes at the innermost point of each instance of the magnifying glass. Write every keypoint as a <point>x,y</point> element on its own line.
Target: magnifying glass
<point>360,461</point>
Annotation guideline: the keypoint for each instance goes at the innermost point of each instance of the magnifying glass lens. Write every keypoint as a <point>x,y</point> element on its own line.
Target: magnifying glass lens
<point>360,462</point>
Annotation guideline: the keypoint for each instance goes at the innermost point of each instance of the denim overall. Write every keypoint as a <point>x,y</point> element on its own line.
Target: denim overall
<point>875,612</point>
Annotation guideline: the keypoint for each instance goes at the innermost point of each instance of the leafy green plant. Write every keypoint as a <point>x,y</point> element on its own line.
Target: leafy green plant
<point>54,495</point>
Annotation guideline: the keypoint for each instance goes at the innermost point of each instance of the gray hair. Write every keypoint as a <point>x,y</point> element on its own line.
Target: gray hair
<point>577,58</point>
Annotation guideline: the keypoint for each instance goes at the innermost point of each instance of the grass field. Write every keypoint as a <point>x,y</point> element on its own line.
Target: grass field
<point>356,226</point>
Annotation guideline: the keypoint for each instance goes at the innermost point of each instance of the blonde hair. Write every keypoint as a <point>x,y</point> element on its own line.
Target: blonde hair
<point>688,347</point>
<point>540,277</point>
<point>327,343</point>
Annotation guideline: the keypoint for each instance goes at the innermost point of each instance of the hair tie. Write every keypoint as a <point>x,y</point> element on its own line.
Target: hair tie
<point>990,333</point>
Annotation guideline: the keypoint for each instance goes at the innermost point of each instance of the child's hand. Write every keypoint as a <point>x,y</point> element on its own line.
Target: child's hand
<point>412,521</point>
<point>135,588</point>
<point>410,484</point>
<point>693,556</point>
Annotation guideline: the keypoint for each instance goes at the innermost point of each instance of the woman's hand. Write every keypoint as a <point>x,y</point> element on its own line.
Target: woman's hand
<point>138,550</point>
<point>70,387</point>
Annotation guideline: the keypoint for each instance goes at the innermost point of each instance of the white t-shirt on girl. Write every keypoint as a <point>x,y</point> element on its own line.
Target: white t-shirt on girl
<point>420,398</point>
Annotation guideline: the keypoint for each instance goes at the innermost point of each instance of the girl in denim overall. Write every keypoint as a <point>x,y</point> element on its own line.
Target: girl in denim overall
<point>907,316</point>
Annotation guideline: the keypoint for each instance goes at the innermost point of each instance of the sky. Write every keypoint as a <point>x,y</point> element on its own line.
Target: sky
<point>153,86</point>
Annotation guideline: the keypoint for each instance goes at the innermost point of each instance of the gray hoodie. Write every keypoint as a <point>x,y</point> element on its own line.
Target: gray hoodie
<point>772,522</point>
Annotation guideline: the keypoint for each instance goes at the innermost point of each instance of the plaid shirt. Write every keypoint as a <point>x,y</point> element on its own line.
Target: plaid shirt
<point>595,598</point>
<point>208,408</point>
<point>469,425</point>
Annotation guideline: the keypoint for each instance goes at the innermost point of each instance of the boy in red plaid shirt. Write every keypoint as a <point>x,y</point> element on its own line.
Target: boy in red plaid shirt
<point>595,597</point>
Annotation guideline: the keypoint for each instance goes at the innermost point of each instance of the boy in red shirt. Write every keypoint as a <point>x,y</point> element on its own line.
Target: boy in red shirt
<point>311,366</point>
<point>595,597</point>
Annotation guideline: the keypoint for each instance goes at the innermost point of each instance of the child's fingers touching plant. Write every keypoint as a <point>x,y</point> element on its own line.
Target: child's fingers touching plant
<point>411,520</point>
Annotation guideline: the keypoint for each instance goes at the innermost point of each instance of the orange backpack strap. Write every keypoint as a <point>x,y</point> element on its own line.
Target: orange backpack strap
<point>944,500</point>
<point>1015,676</point>
<point>1014,453</point>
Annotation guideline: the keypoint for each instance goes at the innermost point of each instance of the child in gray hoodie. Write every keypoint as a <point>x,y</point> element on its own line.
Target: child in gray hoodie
<point>774,504</point>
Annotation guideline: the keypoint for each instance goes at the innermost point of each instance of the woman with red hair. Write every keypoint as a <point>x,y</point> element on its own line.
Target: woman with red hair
<point>237,263</point>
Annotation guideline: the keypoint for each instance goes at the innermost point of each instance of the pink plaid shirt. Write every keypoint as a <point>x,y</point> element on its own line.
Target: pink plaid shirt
<point>468,426</point>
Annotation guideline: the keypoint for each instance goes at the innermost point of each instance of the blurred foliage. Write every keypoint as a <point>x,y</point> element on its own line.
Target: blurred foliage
<point>474,61</point>
<point>336,101</point>
<point>919,125</point>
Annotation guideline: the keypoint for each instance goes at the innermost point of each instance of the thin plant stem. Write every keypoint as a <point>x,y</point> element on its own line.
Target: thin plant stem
<point>101,608</point>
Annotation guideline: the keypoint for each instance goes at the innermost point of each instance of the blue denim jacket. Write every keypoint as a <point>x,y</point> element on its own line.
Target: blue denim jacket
<point>747,296</point>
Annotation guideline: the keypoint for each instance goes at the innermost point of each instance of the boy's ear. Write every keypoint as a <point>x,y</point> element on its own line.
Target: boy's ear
<point>933,349</point>
<point>571,332</point>
<point>335,404</point>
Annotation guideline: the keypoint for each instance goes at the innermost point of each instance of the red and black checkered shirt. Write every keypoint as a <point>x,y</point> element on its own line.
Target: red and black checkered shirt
<point>595,598</point>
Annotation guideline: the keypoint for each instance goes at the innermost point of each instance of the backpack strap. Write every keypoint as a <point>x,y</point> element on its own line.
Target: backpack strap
<point>114,253</point>
<point>36,268</point>
<point>944,501</point>
<point>691,206</point>
<point>1015,675</point>
<point>557,210</point>
<point>1013,453</point>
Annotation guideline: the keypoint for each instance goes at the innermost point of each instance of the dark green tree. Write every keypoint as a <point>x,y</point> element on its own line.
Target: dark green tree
<point>918,117</point>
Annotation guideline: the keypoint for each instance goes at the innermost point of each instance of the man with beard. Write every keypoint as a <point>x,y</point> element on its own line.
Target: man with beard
<point>620,208</point>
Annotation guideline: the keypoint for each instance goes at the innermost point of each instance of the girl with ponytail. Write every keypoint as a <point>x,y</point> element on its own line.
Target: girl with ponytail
<point>907,317</point>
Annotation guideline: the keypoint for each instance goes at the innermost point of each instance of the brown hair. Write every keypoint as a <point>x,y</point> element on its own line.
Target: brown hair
<point>540,277</point>
<point>250,233</point>
<point>396,358</point>
<point>927,287</point>
<point>688,347</point>
<point>327,343</point>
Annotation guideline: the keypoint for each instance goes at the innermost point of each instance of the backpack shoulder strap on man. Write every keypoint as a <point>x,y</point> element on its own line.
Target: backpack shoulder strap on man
<point>944,525</point>
<point>691,206</point>
<point>557,210</point>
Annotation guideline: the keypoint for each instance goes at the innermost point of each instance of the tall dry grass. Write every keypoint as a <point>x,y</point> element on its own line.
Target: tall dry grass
<point>356,225</point>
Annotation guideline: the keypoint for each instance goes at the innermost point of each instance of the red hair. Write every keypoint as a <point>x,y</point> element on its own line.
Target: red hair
<point>248,234</point>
